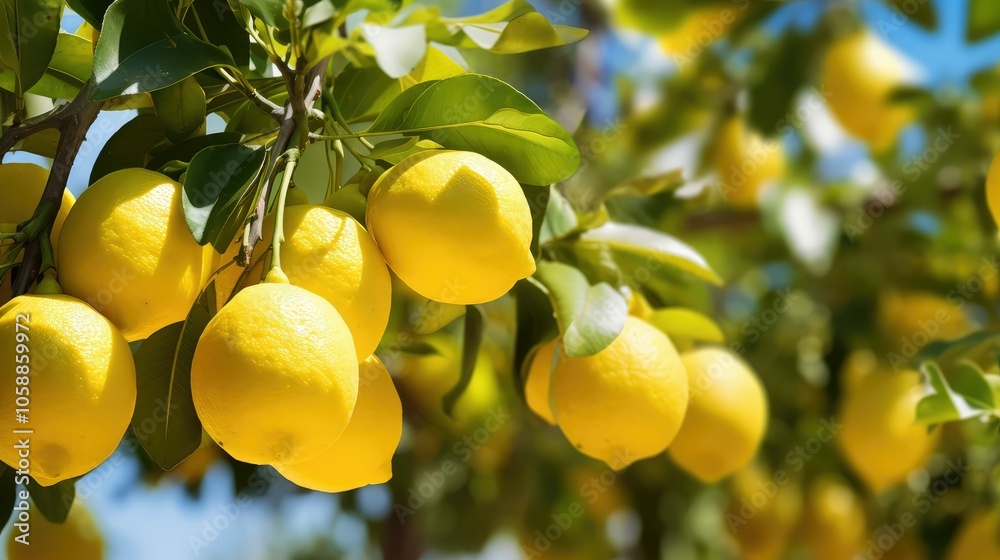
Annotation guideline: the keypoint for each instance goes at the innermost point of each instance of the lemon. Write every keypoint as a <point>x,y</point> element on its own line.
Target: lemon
<point>295,197</point>
<point>746,163</point>
<point>918,317</point>
<point>363,454</point>
<point>82,385</point>
<point>992,187</point>
<point>726,416</point>
<point>328,253</point>
<point>275,377</point>
<point>536,388</point>
<point>880,437</point>
<point>348,199</point>
<point>454,226</point>
<point>858,365</point>
<point>21,185</point>
<point>835,525</point>
<point>126,250</point>
<point>698,29</point>
<point>626,402</point>
<point>763,512</point>
<point>78,537</point>
<point>859,74</point>
<point>977,538</point>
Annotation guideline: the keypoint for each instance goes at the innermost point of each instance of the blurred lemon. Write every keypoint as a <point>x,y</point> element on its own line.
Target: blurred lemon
<point>82,384</point>
<point>978,538</point>
<point>859,74</point>
<point>275,375</point>
<point>915,318</point>
<point>746,163</point>
<point>835,525</point>
<point>763,512</point>
<point>296,197</point>
<point>363,454</point>
<point>78,537</point>
<point>726,416</point>
<point>880,437</point>
<point>455,226</point>
<point>858,365</point>
<point>330,254</point>
<point>626,402</point>
<point>698,29</point>
<point>21,185</point>
<point>992,188</point>
<point>126,249</point>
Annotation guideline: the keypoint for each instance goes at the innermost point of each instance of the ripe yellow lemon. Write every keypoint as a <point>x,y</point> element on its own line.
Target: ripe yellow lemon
<point>763,512</point>
<point>363,454</point>
<point>746,163</point>
<point>915,318</point>
<point>328,253</point>
<point>21,185</point>
<point>626,402</point>
<point>880,437</point>
<point>835,525</point>
<point>697,30</point>
<point>977,538</point>
<point>536,388</point>
<point>126,249</point>
<point>726,417</point>
<point>78,537</point>
<point>81,385</point>
<point>454,226</point>
<point>275,377</point>
<point>859,74</point>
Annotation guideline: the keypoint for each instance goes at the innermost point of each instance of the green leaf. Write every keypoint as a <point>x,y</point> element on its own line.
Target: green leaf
<point>220,189</point>
<point>8,493</point>
<point>653,244</point>
<point>560,218</point>
<point>946,404</point>
<point>679,322</point>
<point>90,10</point>
<point>53,502</point>
<point>473,338</point>
<point>394,155</point>
<point>165,421</point>
<point>398,50</point>
<point>788,61</point>
<point>436,315</point>
<point>920,12</point>
<point>129,146</point>
<point>37,32</point>
<point>974,346</point>
<point>222,28</point>
<point>188,148</point>
<point>68,70</point>
<point>181,108</point>
<point>649,186</point>
<point>485,115</point>
<point>144,48</point>
<point>983,20</point>
<point>535,322</point>
<point>589,317</point>
<point>514,27</point>
<point>270,12</point>
<point>8,39</point>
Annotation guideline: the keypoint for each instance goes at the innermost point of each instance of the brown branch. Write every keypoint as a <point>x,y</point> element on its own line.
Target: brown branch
<point>72,121</point>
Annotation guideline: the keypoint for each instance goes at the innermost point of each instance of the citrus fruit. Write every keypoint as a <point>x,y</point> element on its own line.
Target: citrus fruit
<point>835,520</point>
<point>698,29</point>
<point>275,376</point>
<point>21,185</point>
<point>726,416</point>
<point>536,388</point>
<point>454,226</point>
<point>78,537</point>
<point>295,197</point>
<point>918,317</point>
<point>880,437</point>
<point>363,453</point>
<point>348,199</point>
<point>856,367</point>
<point>763,512</point>
<point>81,388</point>
<point>977,538</point>
<point>859,74</point>
<point>992,187</point>
<point>746,163</point>
<point>126,249</point>
<point>328,253</point>
<point>626,402</point>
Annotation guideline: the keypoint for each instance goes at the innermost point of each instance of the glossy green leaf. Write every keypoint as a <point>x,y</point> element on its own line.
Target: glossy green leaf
<point>514,27</point>
<point>658,246</point>
<point>483,114</point>
<point>220,189</point>
<point>983,20</point>
<point>471,340</point>
<point>180,108</point>
<point>92,11</point>
<point>54,502</point>
<point>589,317</point>
<point>973,346</point>
<point>560,218</point>
<point>68,70</point>
<point>129,146</point>
<point>165,421</point>
<point>187,149</point>
<point>144,48</point>
<point>398,50</point>
<point>222,28</point>
<point>946,404</point>
<point>271,12</point>
<point>535,322</point>
<point>37,31</point>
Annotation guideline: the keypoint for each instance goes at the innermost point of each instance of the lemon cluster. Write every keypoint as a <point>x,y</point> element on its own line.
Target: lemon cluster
<point>639,397</point>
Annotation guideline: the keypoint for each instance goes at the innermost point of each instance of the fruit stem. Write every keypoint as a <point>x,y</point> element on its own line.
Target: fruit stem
<point>291,160</point>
